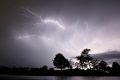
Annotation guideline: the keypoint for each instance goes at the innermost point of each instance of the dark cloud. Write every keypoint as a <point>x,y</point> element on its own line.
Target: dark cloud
<point>108,56</point>
<point>26,41</point>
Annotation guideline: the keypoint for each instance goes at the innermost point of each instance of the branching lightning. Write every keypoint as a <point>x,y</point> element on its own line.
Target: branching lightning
<point>47,20</point>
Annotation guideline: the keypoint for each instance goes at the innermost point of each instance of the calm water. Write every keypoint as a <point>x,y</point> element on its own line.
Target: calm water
<point>4,77</point>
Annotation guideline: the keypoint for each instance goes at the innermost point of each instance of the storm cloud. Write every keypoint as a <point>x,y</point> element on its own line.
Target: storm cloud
<point>108,56</point>
<point>27,41</point>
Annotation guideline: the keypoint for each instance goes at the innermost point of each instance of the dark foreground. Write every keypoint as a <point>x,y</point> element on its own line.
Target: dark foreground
<point>69,72</point>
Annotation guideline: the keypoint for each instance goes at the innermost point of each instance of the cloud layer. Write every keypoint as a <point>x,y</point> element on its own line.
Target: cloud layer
<point>25,40</point>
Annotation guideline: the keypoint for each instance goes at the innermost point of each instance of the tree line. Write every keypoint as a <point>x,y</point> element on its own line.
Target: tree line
<point>85,62</point>
<point>86,65</point>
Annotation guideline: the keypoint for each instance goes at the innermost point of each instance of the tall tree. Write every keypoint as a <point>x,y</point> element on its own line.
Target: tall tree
<point>61,62</point>
<point>85,59</point>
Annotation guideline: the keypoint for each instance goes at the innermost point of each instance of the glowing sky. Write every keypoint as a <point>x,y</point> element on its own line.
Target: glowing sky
<point>34,31</point>
<point>75,41</point>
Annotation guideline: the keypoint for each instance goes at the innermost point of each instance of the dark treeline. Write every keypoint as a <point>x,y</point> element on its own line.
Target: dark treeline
<point>85,65</point>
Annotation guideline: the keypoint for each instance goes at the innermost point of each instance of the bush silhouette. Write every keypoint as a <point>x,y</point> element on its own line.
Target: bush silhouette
<point>115,67</point>
<point>102,65</point>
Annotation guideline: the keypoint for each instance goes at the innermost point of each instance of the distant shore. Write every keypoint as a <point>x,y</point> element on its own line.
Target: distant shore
<point>72,72</point>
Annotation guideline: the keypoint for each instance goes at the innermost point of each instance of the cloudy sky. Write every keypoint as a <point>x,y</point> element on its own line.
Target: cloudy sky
<point>33,31</point>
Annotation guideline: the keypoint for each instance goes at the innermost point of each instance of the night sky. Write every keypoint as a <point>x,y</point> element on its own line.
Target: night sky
<point>33,31</point>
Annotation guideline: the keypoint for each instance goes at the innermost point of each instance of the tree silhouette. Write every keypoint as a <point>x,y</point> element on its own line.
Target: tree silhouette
<point>85,51</point>
<point>82,61</point>
<point>94,63</point>
<point>61,62</point>
<point>45,68</point>
<point>115,67</point>
<point>102,65</point>
<point>85,59</point>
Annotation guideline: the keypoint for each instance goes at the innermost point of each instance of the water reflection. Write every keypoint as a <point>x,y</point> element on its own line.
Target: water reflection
<point>85,78</point>
<point>4,77</point>
<point>75,78</point>
<point>63,77</point>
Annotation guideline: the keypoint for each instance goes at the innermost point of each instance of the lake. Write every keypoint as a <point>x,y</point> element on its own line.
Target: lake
<point>6,77</point>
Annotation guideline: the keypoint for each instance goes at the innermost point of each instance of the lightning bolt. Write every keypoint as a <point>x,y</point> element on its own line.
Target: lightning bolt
<point>46,21</point>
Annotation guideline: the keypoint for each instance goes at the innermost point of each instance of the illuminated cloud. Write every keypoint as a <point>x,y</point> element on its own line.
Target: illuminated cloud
<point>48,27</point>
